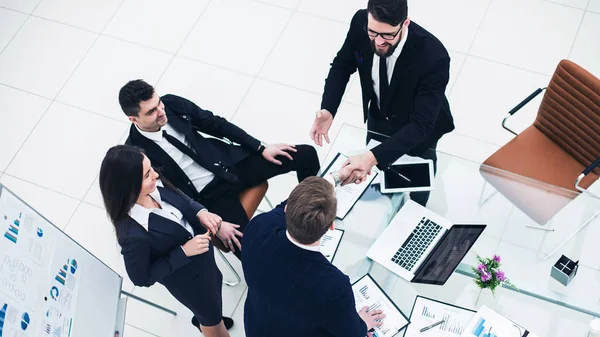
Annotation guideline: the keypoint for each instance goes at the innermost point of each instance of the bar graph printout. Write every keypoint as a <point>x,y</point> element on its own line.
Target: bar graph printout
<point>368,293</point>
<point>488,323</point>
<point>426,312</point>
<point>330,243</point>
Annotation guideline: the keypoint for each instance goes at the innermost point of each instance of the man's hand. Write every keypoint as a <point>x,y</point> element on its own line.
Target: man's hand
<point>272,151</point>
<point>210,221</point>
<point>371,318</point>
<point>346,171</point>
<point>228,234</point>
<point>362,166</point>
<point>321,127</point>
<point>197,245</point>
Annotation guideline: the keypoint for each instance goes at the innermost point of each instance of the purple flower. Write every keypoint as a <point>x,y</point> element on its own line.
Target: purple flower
<point>496,258</point>
<point>481,268</point>
<point>500,275</point>
<point>485,277</point>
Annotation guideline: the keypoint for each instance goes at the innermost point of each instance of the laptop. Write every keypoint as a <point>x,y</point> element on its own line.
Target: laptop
<point>423,247</point>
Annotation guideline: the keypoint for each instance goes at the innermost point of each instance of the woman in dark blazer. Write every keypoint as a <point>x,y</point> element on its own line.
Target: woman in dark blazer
<point>163,235</point>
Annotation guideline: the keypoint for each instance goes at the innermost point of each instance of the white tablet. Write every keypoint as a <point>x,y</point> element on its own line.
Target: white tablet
<point>415,175</point>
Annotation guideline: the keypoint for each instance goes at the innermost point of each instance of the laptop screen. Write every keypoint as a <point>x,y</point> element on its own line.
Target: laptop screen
<point>448,253</point>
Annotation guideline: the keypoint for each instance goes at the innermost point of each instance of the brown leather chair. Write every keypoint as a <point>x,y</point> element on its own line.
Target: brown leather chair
<point>561,148</point>
<point>250,199</point>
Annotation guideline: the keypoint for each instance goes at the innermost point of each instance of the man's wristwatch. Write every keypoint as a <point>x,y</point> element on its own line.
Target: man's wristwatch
<point>336,178</point>
<point>262,147</point>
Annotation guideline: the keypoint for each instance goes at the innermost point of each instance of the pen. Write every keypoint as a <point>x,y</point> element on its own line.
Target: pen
<point>431,326</point>
<point>400,174</point>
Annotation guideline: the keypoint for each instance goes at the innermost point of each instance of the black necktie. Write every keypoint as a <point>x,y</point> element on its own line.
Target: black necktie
<point>217,169</point>
<point>383,84</point>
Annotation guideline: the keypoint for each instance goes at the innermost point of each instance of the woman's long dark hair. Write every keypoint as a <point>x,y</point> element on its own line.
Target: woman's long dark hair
<point>120,182</point>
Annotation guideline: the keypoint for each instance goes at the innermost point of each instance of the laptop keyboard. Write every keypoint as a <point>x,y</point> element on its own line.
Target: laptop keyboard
<point>415,245</point>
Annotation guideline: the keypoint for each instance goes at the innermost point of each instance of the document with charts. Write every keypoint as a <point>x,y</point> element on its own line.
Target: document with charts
<point>488,323</point>
<point>330,243</point>
<point>349,194</point>
<point>368,293</point>
<point>426,312</point>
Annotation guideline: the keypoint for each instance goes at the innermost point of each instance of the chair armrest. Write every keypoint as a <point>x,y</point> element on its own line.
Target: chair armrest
<point>519,106</point>
<point>585,172</point>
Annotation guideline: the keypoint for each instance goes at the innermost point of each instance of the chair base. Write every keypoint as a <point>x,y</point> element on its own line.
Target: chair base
<point>238,279</point>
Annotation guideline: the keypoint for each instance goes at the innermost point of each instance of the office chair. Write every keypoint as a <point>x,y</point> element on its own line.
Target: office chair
<point>250,199</point>
<point>561,148</point>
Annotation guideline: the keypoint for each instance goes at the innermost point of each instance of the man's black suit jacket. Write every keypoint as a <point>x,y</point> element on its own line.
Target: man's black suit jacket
<point>417,109</point>
<point>215,155</point>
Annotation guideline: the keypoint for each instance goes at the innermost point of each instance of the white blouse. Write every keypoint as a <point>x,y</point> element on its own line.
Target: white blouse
<point>141,214</point>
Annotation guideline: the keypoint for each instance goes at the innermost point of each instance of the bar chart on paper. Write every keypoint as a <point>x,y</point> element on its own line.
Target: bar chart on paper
<point>488,323</point>
<point>330,243</point>
<point>481,330</point>
<point>367,293</point>
<point>427,312</point>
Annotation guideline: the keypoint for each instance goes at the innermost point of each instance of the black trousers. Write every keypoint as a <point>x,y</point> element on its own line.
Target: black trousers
<point>223,198</point>
<point>385,127</point>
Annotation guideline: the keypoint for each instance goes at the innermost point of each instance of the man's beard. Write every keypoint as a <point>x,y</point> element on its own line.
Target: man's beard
<point>389,52</point>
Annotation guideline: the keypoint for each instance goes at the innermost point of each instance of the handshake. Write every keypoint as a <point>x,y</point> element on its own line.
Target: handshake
<point>355,169</point>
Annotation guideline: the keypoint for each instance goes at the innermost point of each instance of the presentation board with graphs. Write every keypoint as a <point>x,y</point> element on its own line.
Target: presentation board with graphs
<point>50,286</point>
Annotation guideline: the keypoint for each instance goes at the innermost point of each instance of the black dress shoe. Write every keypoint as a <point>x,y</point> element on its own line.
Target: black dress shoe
<point>226,320</point>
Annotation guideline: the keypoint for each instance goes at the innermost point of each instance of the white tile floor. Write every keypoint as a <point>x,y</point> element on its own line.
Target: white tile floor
<point>260,63</point>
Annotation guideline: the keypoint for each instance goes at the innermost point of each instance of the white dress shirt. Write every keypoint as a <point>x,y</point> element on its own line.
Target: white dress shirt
<point>391,63</point>
<point>198,175</point>
<point>141,214</point>
<point>305,247</point>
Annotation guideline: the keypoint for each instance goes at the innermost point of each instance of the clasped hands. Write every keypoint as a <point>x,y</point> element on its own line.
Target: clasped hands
<point>225,231</point>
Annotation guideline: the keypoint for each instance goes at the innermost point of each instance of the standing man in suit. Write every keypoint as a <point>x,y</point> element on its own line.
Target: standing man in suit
<point>209,170</point>
<point>293,290</point>
<point>403,72</point>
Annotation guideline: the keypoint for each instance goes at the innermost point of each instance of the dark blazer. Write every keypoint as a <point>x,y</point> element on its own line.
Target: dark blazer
<point>417,111</point>
<point>293,292</point>
<point>215,155</point>
<point>156,255</point>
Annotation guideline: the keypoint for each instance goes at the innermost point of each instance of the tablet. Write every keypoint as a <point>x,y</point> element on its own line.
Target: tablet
<point>411,176</point>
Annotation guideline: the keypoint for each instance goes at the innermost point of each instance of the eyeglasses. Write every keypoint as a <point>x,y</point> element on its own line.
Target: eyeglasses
<point>385,36</point>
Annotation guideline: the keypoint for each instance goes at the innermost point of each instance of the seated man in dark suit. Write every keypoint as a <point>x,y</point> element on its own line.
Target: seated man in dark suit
<point>209,170</point>
<point>403,72</point>
<point>293,290</point>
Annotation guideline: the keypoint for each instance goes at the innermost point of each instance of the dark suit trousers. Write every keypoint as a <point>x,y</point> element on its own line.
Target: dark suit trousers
<point>385,127</point>
<point>223,198</point>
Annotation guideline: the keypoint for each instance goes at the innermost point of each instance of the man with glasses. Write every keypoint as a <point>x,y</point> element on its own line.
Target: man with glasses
<point>403,75</point>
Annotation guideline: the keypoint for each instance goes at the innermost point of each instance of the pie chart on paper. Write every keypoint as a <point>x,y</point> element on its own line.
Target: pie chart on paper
<point>25,321</point>
<point>73,264</point>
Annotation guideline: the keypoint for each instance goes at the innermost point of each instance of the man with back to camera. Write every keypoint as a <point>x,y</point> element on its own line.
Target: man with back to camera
<point>208,170</point>
<point>409,105</point>
<point>293,290</point>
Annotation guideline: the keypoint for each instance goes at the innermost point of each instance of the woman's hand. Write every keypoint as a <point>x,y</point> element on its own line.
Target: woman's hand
<point>228,234</point>
<point>210,221</point>
<point>199,244</point>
